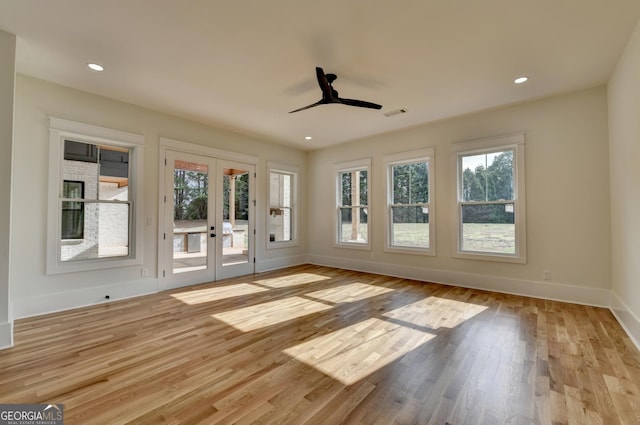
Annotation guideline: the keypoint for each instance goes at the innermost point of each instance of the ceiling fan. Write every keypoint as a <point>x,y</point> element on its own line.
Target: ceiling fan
<point>330,95</point>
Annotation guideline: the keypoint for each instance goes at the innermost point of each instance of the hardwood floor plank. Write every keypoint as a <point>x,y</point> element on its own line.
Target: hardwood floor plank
<point>317,345</point>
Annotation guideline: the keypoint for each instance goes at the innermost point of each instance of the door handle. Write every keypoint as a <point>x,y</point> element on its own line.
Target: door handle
<point>213,235</point>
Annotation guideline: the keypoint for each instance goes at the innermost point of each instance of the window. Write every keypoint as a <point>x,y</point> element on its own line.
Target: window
<point>490,201</point>
<point>352,198</point>
<point>410,212</point>
<point>282,199</point>
<point>93,195</point>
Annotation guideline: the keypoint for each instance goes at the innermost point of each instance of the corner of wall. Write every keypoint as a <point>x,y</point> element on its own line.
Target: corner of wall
<point>280,263</point>
<point>7,106</point>
<point>6,335</point>
<point>627,319</point>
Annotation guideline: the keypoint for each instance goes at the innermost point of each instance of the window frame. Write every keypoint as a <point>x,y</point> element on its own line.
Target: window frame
<point>61,130</point>
<point>406,158</point>
<point>350,166</point>
<point>294,172</point>
<point>516,143</point>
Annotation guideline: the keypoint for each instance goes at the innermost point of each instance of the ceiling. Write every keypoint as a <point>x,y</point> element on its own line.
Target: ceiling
<point>243,65</point>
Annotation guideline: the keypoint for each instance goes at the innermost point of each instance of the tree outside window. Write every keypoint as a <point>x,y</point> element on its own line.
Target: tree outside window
<point>353,206</point>
<point>491,203</point>
<point>410,210</point>
<point>409,206</point>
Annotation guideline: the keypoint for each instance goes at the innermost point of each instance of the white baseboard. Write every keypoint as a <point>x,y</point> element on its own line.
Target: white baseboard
<point>60,301</point>
<point>529,288</point>
<point>627,319</point>
<point>6,335</point>
<point>51,303</point>
<point>265,265</point>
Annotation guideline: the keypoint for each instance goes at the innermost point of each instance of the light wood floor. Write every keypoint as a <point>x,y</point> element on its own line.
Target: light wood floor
<point>316,345</point>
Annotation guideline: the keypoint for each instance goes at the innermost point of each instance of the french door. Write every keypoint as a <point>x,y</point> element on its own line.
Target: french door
<point>208,219</point>
<point>236,201</point>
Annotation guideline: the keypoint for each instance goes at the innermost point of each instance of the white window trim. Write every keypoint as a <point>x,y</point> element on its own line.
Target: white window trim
<point>358,164</point>
<point>59,130</point>
<point>295,174</point>
<point>492,144</point>
<point>410,157</point>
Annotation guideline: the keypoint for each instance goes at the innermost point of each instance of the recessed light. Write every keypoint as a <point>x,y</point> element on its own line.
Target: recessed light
<point>395,112</point>
<point>95,66</point>
<point>521,80</point>
<point>308,137</point>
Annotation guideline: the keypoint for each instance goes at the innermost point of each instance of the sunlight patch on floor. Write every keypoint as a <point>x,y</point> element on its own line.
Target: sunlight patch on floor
<point>270,313</point>
<point>353,353</point>
<point>435,312</point>
<point>292,280</point>
<point>349,293</point>
<point>199,296</point>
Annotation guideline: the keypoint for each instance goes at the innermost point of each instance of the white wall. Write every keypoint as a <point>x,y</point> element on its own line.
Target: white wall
<point>624,134</point>
<point>567,188</point>
<point>7,82</point>
<point>33,292</point>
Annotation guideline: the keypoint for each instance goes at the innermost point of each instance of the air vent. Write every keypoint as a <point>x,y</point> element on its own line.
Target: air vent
<point>396,112</point>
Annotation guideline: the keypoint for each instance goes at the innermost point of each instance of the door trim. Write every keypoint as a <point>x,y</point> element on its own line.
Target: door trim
<point>191,148</point>
<point>186,147</point>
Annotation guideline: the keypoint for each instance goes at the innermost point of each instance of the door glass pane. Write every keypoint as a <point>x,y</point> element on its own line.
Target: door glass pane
<point>235,218</point>
<point>190,200</point>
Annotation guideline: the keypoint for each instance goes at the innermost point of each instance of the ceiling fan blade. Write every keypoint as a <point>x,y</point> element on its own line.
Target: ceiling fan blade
<point>323,83</point>
<point>360,103</point>
<point>320,102</point>
<point>330,95</point>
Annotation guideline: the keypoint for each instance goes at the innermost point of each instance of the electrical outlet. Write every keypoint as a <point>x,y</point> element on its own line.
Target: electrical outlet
<point>144,272</point>
<point>546,275</point>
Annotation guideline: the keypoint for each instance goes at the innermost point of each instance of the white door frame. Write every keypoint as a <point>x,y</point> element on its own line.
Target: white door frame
<point>190,148</point>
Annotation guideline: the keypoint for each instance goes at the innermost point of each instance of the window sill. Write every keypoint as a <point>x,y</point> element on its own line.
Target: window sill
<point>491,257</point>
<point>410,251</point>
<point>353,245</point>
<point>71,241</point>
<point>282,244</point>
<point>93,264</point>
